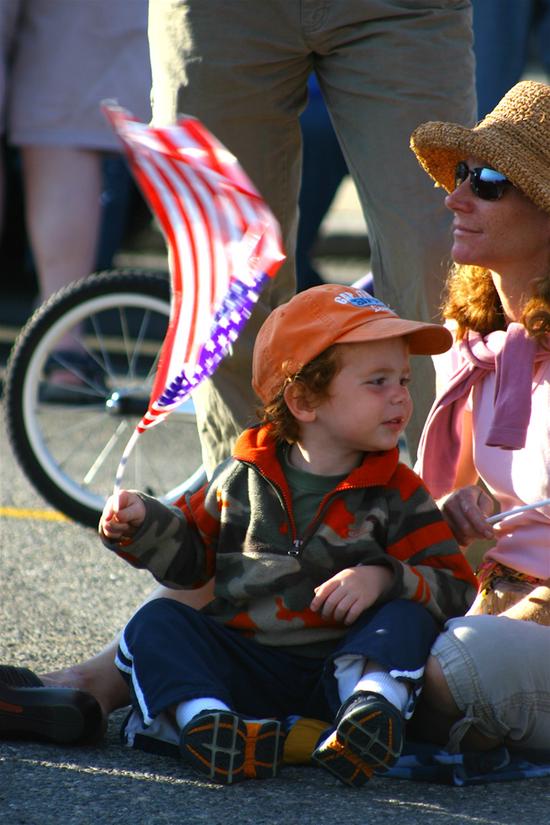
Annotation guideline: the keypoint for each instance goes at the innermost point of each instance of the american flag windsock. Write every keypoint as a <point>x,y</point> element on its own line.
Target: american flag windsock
<point>223,244</point>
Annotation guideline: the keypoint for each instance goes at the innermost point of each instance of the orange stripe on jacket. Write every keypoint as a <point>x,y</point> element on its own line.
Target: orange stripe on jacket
<point>197,515</point>
<point>406,481</point>
<point>419,540</point>
<point>422,594</point>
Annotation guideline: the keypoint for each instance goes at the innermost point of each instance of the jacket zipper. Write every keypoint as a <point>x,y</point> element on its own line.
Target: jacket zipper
<point>296,548</point>
<point>298,544</point>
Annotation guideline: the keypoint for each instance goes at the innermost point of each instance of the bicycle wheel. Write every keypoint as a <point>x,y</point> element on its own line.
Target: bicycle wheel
<point>79,379</point>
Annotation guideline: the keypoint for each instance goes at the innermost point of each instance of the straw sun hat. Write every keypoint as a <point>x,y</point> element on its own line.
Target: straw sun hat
<point>514,139</point>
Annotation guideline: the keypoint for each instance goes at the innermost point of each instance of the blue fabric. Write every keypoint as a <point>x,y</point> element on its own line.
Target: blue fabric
<point>430,763</point>
<point>503,33</point>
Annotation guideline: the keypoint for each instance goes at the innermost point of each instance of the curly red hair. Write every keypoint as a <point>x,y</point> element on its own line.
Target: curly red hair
<point>313,381</point>
<point>472,301</point>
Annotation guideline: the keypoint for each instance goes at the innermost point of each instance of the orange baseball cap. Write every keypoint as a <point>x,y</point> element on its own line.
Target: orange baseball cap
<point>296,332</point>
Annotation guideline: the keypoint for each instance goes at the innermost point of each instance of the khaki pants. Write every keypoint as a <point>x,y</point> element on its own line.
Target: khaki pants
<point>498,671</point>
<point>384,67</point>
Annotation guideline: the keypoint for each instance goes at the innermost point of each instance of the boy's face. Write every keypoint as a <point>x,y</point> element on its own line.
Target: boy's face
<point>369,404</point>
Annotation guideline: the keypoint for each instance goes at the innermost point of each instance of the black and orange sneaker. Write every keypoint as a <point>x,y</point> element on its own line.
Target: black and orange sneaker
<point>331,755</point>
<point>30,710</point>
<point>368,739</point>
<point>227,748</point>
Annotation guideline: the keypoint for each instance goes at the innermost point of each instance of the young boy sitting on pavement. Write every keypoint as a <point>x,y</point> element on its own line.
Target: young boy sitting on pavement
<point>334,569</point>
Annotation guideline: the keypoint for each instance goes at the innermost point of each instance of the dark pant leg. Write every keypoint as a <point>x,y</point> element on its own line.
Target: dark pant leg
<point>323,169</point>
<point>170,652</point>
<point>398,635</point>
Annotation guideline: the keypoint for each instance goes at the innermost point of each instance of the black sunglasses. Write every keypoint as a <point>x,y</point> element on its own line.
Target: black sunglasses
<point>486,183</point>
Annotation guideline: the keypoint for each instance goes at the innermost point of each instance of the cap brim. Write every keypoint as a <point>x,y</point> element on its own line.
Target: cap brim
<point>423,339</point>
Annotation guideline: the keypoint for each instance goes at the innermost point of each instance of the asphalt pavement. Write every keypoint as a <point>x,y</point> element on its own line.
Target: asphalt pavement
<point>62,598</point>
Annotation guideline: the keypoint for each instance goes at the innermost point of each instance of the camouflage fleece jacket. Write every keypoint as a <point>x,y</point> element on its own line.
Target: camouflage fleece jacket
<point>240,528</point>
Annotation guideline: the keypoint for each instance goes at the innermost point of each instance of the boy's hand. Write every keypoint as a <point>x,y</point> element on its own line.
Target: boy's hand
<point>347,594</point>
<point>121,519</point>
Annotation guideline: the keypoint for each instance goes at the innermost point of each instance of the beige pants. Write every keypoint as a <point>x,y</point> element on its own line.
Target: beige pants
<point>384,66</point>
<point>498,671</point>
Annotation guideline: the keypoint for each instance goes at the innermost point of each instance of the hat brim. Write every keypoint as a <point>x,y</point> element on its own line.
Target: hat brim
<point>439,146</point>
<point>422,338</point>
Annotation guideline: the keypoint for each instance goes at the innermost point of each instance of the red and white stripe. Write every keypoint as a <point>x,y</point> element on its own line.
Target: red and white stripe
<point>216,226</point>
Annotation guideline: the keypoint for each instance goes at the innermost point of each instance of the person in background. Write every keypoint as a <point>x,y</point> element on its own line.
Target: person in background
<point>59,59</point>
<point>382,68</point>
<point>323,170</point>
<point>506,34</point>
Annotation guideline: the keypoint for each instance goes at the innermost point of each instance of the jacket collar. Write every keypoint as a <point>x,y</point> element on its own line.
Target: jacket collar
<point>257,446</point>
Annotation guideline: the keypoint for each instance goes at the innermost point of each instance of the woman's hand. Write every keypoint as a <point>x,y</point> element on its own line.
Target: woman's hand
<point>351,591</point>
<point>466,510</point>
<point>122,518</point>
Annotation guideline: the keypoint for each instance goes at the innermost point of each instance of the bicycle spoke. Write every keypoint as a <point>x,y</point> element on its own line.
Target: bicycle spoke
<point>138,342</point>
<point>100,338</point>
<point>98,463</point>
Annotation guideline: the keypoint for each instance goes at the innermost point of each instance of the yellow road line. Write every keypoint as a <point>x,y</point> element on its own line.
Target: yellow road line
<point>39,515</point>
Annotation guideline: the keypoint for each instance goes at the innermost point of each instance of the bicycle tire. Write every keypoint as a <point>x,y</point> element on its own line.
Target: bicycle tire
<point>114,322</point>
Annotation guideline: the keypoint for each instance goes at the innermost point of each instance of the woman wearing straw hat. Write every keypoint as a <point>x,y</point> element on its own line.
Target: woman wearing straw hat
<point>491,421</point>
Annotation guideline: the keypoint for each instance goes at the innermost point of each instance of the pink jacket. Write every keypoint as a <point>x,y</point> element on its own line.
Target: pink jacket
<point>506,378</point>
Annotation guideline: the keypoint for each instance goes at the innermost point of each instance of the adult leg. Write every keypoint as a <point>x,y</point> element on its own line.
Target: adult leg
<point>245,78</point>
<point>71,705</point>
<point>99,675</point>
<point>62,191</point>
<point>407,63</point>
<point>54,115</point>
<point>487,683</point>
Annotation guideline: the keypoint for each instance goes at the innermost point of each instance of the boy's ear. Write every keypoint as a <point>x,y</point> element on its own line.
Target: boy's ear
<point>297,402</point>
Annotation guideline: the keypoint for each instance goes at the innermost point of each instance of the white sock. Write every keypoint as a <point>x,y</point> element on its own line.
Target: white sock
<point>381,682</point>
<point>185,711</point>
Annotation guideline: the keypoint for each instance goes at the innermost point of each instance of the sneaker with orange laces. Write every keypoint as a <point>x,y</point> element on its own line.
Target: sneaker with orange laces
<point>228,748</point>
<point>368,739</point>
